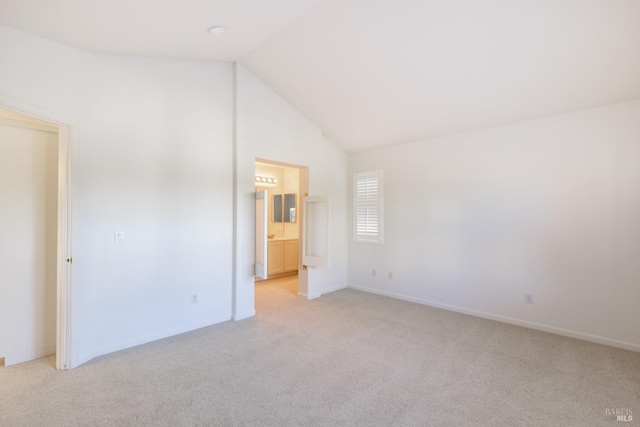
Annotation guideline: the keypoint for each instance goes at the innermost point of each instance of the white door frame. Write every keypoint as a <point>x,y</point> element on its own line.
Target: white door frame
<point>303,190</point>
<point>262,221</point>
<point>64,260</point>
<point>63,322</point>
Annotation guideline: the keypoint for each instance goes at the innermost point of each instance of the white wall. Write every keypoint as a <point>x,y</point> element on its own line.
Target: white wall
<point>155,162</point>
<point>40,75</point>
<point>28,226</point>
<point>549,206</point>
<point>271,129</point>
<point>152,156</point>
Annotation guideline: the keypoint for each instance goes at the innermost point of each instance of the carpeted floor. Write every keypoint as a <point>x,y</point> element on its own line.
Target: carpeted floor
<point>347,359</point>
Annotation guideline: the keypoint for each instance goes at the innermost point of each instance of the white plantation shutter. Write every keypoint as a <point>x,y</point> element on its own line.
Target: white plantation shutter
<point>367,207</point>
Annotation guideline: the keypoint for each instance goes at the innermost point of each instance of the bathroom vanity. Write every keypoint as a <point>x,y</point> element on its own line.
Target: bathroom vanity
<point>282,257</point>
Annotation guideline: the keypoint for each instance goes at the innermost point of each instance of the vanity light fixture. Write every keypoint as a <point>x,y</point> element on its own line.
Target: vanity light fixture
<point>266,180</point>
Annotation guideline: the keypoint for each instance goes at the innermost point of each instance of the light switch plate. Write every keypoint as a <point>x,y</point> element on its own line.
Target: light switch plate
<point>119,236</point>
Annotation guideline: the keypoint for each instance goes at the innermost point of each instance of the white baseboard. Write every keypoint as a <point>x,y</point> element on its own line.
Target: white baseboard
<point>242,316</point>
<point>510,320</point>
<point>309,296</point>
<point>150,338</point>
<point>26,356</point>
<point>324,292</point>
<point>337,288</point>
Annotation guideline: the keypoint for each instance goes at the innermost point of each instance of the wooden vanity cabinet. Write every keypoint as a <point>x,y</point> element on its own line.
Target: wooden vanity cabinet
<point>282,256</point>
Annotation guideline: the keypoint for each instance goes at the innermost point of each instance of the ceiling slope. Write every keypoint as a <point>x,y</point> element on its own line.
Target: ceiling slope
<point>156,28</point>
<point>373,73</point>
<point>379,72</point>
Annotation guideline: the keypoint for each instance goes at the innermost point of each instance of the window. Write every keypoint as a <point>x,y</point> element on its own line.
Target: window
<point>367,207</point>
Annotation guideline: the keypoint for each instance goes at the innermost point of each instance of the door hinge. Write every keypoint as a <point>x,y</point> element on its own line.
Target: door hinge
<point>69,260</point>
<point>304,267</point>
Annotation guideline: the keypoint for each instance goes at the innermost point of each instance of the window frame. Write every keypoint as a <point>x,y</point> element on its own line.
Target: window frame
<point>378,238</point>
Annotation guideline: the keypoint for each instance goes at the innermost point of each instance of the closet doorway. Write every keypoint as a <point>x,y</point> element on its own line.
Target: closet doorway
<point>34,255</point>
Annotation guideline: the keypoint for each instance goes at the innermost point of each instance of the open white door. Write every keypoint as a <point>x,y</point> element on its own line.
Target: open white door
<point>262,214</point>
<point>315,235</point>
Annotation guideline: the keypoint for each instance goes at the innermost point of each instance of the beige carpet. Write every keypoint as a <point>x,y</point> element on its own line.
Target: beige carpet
<point>346,359</point>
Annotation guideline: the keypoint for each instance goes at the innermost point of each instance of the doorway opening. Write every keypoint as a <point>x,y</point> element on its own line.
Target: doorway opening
<point>279,218</point>
<point>34,221</point>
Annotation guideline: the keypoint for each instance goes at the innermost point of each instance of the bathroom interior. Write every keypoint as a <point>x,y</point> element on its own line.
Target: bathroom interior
<point>282,187</point>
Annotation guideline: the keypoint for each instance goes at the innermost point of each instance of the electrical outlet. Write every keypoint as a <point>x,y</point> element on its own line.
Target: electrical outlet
<point>390,275</point>
<point>373,272</point>
<point>528,298</point>
<point>194,299</point>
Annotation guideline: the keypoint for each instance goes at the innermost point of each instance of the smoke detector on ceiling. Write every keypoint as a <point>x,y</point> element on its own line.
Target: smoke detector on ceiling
<point>216,29</point>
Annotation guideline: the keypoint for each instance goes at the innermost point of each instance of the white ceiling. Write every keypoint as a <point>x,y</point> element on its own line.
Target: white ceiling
<point>158,28</point>
<point>374,72</point>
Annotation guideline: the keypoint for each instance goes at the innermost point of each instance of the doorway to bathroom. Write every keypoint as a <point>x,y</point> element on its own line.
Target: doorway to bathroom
<point>280,189</point>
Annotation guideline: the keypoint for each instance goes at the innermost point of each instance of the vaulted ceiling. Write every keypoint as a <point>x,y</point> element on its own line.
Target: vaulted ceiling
<point>373,72</point>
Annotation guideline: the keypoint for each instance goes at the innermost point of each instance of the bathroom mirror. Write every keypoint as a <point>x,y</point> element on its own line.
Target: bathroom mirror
<point>284,208</point>
<point>277,208</point>
<point>289,208</point>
